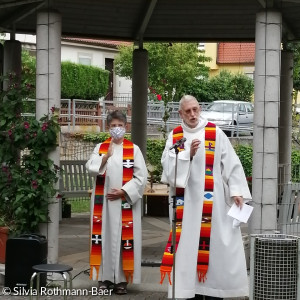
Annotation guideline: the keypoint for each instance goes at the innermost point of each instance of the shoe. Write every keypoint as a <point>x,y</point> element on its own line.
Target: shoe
<point>121,288</point>
<point>105,285</point>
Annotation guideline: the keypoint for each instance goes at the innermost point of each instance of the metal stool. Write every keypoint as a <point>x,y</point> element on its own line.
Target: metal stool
<point>51,268</point>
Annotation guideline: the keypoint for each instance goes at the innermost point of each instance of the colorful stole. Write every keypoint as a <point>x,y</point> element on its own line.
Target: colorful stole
<point>127,218</point>
<point>204,240</point>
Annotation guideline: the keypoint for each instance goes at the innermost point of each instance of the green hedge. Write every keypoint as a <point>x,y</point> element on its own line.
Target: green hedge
<point>245,154</point>
<point>77,81</point>
<point>295,165</point>
<point>83,82</point>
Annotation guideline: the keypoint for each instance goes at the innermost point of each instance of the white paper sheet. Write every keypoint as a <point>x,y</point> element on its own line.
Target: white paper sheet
<point>240,214</point>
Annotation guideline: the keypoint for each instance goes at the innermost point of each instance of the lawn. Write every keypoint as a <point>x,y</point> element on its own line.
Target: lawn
<point>80,205</point>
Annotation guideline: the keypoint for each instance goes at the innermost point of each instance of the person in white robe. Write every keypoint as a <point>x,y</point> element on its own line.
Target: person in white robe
<point>111,270</point>
<point>227,272</point>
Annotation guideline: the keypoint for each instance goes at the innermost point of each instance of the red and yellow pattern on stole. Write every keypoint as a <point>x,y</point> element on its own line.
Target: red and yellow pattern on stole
<point>127,217</point>
<point>204,240</point>
<point>167,260</point>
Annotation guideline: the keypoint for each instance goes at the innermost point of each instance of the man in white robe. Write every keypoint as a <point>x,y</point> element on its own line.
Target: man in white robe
<point>227,273</point>
<point>111,270</point>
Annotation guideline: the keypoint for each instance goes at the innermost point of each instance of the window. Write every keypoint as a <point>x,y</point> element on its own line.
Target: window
<point>85,59</point>
<point>201,46</point>
<point>242,108</point>
<point>250,108</point>
<point>250,75</point>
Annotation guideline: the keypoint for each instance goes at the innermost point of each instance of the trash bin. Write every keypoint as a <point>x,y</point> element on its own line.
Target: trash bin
<point>274,267</point>
<point>22,253</point>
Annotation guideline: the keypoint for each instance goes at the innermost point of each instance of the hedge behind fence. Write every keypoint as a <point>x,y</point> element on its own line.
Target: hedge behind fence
<point>83,82</point>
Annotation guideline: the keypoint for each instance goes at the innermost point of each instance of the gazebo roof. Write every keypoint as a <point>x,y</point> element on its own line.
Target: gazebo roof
<point>153,20</point>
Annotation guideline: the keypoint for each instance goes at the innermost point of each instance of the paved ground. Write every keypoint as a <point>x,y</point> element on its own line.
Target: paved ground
<point>73,250</point>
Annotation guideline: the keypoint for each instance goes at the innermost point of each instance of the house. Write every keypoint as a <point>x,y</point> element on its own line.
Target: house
<point>234,57</point>
<point>99,53</point>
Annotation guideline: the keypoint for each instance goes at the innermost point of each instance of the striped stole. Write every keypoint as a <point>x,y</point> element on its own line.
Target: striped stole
<point>204,240</point>
<point>127,217</point>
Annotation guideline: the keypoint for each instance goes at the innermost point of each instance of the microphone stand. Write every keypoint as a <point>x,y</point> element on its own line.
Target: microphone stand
<point>174,219</point>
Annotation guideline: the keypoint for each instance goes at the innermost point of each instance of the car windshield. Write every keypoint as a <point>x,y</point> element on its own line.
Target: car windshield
<point>221,107</point>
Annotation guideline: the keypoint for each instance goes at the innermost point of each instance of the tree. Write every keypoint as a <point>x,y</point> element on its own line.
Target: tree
<point>229,86</point>
<point>243,87</point>
<point>172,67</point>
<point>295,48</point>
<point>28,73</point>
<point>201,90</point>
<point>28,77</point>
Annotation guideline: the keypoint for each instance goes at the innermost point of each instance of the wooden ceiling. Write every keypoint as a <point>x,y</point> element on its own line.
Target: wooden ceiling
<point>153,20</point>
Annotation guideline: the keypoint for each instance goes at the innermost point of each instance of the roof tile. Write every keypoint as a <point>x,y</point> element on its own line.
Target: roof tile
<point>229,53</point>
<point>104,43</point>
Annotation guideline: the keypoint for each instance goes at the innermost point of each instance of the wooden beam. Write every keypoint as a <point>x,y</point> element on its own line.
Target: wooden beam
<point>262,3</point>
<point>145,21</point>
<point>20,14</point>
<point>16,3</point>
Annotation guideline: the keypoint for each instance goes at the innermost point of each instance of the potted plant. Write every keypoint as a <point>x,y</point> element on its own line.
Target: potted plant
<point>27,175</point>
<point>4,232</point>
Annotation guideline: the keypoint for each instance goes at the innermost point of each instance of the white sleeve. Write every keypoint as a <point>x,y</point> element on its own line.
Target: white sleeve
<point>94,162</point>
<point>168,161</point>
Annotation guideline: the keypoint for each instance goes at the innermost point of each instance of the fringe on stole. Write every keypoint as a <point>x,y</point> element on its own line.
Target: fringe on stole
<point>96,267</point>
<point>163,274</point>
<point>129,276</point>
<point>202,274</point>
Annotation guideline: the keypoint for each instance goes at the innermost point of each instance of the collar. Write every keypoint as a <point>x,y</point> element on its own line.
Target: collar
<point>202,123</point>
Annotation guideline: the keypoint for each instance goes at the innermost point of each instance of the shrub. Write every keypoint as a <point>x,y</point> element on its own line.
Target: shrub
<point>27,175</point>
<point>245,152</point>
<point>83,82</point>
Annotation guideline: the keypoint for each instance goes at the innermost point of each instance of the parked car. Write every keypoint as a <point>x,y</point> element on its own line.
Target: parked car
<point>230,115</point>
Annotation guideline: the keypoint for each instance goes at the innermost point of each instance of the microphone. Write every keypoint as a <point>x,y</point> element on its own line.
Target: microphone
<point>178,143</point>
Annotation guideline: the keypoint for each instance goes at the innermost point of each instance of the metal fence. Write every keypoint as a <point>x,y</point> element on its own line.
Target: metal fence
<point>78,112</point>
<point>85,112</point>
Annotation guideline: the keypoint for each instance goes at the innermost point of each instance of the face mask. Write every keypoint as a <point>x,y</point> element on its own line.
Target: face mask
<point>117,132</point>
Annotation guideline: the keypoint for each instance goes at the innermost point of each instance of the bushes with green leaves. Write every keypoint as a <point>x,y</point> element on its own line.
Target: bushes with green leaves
<point>155,149</point>
<point>83,82</point>
<point>245,152</point>
<point>295,165</point>
<point>77,81</point>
